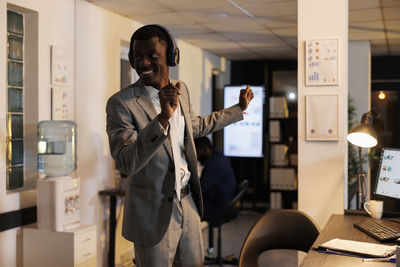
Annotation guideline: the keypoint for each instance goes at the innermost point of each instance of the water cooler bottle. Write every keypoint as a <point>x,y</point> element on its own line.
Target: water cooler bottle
<point>58,193</point>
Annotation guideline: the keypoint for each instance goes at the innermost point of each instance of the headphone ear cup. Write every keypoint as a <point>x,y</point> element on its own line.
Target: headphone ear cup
<point>130,56</point>
<point>173,57</point>
<point>177,56</point>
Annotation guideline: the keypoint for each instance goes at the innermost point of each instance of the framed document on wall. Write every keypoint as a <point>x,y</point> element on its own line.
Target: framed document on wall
<point>322,117</point>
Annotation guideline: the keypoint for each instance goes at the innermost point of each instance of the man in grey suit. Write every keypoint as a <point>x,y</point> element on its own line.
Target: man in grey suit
<point>151,126</point>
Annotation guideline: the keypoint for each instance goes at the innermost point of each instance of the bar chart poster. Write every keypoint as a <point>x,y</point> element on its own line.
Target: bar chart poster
<point>322,62</point>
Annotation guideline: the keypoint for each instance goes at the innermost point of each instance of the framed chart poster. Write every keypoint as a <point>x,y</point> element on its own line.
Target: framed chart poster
<point>59,66</point>
<point>322,62</point>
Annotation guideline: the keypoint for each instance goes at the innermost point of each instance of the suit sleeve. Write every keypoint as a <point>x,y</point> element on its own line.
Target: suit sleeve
<point>215,121</point>
<point>131,149</point>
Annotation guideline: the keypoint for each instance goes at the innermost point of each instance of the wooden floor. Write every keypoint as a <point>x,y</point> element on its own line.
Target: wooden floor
<point>233,235</point>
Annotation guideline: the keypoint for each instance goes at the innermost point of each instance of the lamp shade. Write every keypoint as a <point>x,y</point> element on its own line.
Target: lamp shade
<point>363,135</point>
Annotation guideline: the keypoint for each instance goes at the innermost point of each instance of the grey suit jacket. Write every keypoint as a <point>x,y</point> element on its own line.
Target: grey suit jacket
<point>144,154</point>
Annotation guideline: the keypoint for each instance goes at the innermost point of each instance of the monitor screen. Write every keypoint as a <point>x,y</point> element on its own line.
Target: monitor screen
<point>245,138</point>
<point>388,178</point>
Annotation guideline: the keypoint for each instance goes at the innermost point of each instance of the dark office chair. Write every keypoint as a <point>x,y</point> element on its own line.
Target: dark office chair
<point>279,229</point>
<point>229,214</point>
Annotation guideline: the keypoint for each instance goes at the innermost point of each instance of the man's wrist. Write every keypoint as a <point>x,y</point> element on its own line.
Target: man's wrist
<point>163,121</point>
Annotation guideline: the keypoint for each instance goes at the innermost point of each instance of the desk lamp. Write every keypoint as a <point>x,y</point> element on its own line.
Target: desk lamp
<point>363,135</point>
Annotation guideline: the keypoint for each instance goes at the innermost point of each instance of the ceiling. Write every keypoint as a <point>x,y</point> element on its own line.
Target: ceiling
<point>258,29</point>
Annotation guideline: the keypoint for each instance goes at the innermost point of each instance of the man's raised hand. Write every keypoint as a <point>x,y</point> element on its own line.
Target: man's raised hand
<point>246,95</point>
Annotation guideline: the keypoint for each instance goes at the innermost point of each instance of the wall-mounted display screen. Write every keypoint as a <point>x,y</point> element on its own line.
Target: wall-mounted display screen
<point>245,138</point>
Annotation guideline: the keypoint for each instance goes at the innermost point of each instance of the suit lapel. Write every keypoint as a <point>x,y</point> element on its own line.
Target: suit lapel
<point>185,111</point>
<point>189,146</point>
<point>145,102</point>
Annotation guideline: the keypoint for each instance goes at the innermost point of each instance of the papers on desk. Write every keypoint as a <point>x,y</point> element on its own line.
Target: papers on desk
<point>358,248</point>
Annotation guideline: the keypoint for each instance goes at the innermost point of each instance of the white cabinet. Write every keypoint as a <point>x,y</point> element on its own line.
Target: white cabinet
<point>72,248</point>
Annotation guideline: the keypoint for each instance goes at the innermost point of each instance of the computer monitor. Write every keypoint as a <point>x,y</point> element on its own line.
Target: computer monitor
<point>245,138</point>
<point>388,178</point>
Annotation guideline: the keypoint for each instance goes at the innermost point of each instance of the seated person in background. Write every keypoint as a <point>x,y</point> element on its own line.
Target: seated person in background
<point>217,181</point>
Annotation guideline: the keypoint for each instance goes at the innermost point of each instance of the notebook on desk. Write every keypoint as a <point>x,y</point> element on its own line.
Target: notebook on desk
<point>358,248</point>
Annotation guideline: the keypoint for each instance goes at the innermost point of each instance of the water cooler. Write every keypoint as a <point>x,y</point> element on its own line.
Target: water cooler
<point>60,239</point>
<point>58,193</point>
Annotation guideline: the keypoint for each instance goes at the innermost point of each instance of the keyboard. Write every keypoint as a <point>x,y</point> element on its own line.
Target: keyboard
<point>377,230</point>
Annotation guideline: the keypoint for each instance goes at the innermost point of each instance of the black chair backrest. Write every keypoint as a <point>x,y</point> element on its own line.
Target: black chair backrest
<point>242,187</point>
<point>231,211</point>
<point>279,229</point>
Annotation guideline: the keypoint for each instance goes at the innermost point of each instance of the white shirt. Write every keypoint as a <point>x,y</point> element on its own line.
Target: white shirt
<point>177,122</point>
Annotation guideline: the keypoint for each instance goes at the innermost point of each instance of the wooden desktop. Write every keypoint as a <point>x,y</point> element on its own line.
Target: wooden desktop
<point>341,226</point>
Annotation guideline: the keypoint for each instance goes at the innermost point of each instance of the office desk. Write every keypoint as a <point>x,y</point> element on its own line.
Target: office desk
<point>113,193</point>
<point>341,226</point>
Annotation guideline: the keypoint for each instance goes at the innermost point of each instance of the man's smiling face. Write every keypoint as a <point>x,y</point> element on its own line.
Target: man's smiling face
<point>150,60</point>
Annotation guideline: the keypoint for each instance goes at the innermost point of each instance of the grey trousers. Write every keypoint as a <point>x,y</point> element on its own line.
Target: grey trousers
<point>182,244</point>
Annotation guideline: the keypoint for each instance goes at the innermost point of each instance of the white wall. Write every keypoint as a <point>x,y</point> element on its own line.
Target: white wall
<point>322,166</point>
<point>56,27</point>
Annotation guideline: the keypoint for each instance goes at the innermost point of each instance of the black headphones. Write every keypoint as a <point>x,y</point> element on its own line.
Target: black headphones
<point>172,49</point>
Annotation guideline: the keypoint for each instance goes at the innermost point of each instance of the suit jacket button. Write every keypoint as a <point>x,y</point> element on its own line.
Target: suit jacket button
<point>170,199</point>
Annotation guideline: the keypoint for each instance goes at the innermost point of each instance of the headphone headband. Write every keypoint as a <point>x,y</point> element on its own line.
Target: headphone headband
<point>173,56</point>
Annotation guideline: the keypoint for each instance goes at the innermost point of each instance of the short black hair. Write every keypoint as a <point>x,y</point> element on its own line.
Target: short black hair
<point>149,31</point>
<point>203,148</point>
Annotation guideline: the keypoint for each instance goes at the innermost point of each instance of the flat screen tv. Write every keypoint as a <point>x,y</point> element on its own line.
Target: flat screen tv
<point>245,138</point>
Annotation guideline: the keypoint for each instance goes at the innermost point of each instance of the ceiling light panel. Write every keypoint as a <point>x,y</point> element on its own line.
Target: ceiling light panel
<point>364,15</point>
<point>366,31</point>
<point>129,8</point>
<point>393,29</point>
<point>263,45</point>
<point>378,42</point>
<point>287,32</point>
<point>390,3</point>
<point>188,30</point>
<point>363,4</point>
<point>214,15</point>
<point>262,10</point>
<point>184,5</point>
<point>209,40</point>
<point>166,19</point>
<point>253,35</point>
<point>252,2</point>
<point>219,45</point>
<point>392,12</point>
<point>278,22</point>
<point>239,24</point>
